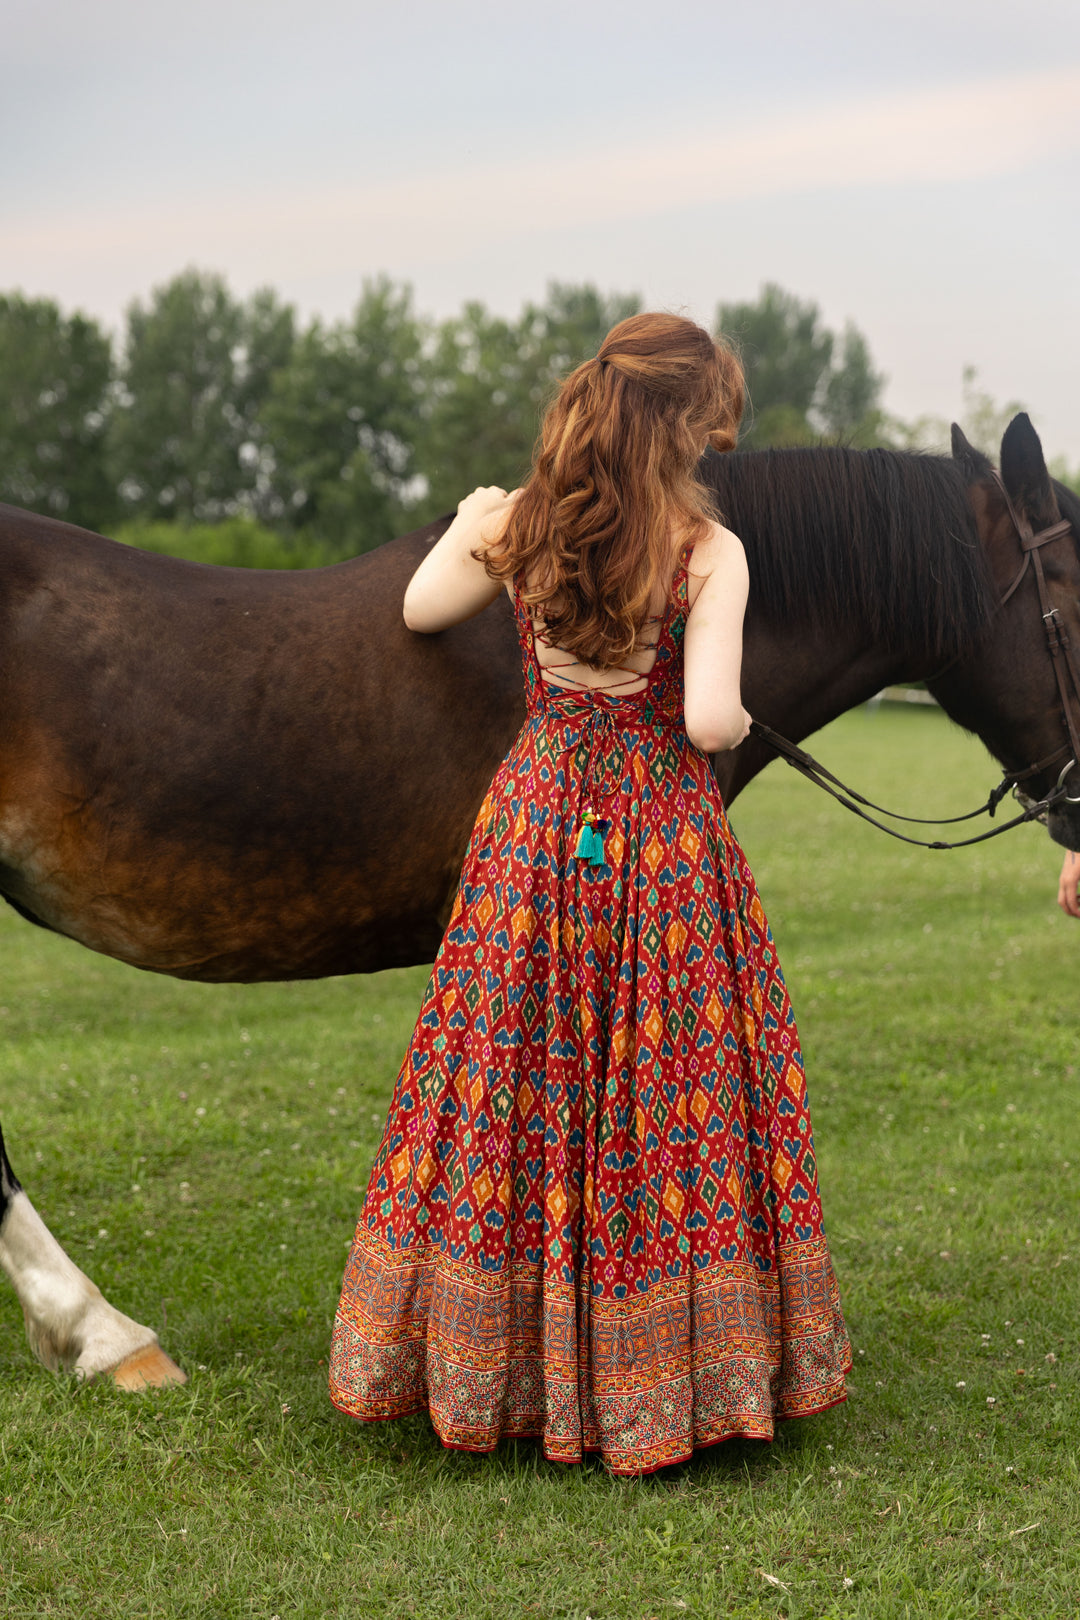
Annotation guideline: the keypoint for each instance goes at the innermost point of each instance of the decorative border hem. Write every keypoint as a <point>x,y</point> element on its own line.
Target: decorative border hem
<point>752,1429</point>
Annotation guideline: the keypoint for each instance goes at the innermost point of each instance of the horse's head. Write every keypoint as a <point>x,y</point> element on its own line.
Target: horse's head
<point>1021,695</point>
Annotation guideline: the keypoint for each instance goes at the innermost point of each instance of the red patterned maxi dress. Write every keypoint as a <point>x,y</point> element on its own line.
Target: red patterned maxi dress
<point>594,1214</point>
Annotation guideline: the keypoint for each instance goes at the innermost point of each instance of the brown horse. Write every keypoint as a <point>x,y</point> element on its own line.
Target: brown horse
<point>226,774</point>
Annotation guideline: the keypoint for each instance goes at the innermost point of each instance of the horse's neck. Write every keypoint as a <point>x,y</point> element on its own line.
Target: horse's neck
<point>802,670</point>
<point>796,680</point>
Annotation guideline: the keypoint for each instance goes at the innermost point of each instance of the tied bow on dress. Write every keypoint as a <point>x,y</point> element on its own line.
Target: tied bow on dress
<point>603,772</point>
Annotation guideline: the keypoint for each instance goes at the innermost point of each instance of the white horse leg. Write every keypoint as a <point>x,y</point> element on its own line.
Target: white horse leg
<point>69,1323</point>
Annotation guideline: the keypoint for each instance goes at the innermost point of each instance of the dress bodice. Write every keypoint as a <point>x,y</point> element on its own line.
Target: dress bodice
<point>660,700</point>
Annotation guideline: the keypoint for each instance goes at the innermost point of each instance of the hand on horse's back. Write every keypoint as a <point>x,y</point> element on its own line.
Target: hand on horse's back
<point>484,501</point>
<point>452,584</point>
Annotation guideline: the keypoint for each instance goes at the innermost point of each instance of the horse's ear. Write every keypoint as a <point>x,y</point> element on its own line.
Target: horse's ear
<point>1024,474</point>
<point>973,464</point>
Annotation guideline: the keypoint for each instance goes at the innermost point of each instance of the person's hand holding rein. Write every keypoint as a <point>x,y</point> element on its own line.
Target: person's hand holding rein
<point>1068,899</point>
<point>748,721</point>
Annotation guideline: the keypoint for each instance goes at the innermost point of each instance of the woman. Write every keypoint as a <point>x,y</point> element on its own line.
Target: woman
<point>594,1214</point>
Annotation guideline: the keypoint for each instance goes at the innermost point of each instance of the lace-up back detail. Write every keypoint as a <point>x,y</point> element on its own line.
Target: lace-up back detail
<point>658,697</point>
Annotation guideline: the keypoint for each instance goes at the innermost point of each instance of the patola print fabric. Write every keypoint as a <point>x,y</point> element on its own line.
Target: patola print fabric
<point>594,1215</point>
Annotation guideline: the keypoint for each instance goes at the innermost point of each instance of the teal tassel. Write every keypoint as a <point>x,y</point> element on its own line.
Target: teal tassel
<point>584,849</point>
<point>590,843</point>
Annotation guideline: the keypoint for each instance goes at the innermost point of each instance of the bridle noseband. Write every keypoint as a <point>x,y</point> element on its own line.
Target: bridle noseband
<point>1065,670</point>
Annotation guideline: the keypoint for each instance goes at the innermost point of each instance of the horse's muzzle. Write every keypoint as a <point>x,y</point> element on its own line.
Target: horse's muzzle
<point>1063,825</point>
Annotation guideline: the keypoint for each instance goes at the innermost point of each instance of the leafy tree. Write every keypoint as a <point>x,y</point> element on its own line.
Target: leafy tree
<point>342,419</point>
<point>354,430</point>
<point>800,388</point>
<point>237,542</point>
<point>55,374</point>
<point>491,378</point>
<point>848,406</point>
<point>186,440</point>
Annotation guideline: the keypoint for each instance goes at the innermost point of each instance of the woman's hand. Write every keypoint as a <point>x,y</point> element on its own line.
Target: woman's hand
<point>481,502</point>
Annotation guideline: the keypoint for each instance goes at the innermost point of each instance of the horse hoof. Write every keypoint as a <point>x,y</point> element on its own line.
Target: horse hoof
<point>148,1368</point>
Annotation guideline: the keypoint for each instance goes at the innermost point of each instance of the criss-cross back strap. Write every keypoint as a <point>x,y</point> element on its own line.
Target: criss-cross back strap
<point>631,676</point>
<point>571,683</point>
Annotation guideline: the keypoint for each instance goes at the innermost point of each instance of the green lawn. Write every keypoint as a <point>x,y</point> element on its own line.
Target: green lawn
<point>202,1152</point>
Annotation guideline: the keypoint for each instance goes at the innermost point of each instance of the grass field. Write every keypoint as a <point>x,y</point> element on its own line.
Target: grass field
<point>202,1152</point>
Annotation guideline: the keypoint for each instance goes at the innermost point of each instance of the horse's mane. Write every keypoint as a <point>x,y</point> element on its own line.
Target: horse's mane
<point>886,536</point>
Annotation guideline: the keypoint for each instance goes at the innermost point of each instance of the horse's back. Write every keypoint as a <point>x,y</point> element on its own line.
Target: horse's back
<point>233,773</point>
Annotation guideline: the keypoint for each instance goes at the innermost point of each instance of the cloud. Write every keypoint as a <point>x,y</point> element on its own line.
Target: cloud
<point>942,135</point>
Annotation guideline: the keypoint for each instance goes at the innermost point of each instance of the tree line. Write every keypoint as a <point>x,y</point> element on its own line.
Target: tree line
<point>282,441</point>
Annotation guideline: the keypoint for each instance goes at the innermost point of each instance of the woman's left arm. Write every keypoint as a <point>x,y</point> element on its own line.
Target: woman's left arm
<point>451,584</point>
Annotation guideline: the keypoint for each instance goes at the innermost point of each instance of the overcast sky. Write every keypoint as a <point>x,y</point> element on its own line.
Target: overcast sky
<point>911,167</point>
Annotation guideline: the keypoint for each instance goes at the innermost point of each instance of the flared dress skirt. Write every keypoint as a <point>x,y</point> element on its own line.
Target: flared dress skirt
<point>594,1214</point>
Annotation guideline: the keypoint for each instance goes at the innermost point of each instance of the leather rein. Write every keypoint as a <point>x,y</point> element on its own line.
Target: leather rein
<point>1065,670</point>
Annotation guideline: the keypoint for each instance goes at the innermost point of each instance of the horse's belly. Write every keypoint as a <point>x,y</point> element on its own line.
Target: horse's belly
<point>276,915</point>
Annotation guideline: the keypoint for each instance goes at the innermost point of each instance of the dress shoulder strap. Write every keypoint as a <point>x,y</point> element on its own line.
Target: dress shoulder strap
<point>678,605</point>
<point>680,581</point>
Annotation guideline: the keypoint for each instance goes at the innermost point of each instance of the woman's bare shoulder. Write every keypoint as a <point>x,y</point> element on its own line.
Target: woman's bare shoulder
<point>718,556</point>
<point>717,545</point>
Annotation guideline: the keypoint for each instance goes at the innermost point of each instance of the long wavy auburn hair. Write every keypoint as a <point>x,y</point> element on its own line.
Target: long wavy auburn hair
<point>613,494</point>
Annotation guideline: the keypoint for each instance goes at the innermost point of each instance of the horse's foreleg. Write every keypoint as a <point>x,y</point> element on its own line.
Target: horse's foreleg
<point>69,1323</point>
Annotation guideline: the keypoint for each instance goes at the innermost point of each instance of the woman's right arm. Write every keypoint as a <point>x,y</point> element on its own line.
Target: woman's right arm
<point>712,646</point>
<point>451,584</point>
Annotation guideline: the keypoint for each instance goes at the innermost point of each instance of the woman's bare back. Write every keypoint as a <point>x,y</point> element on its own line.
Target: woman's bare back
<point>560,668</point>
